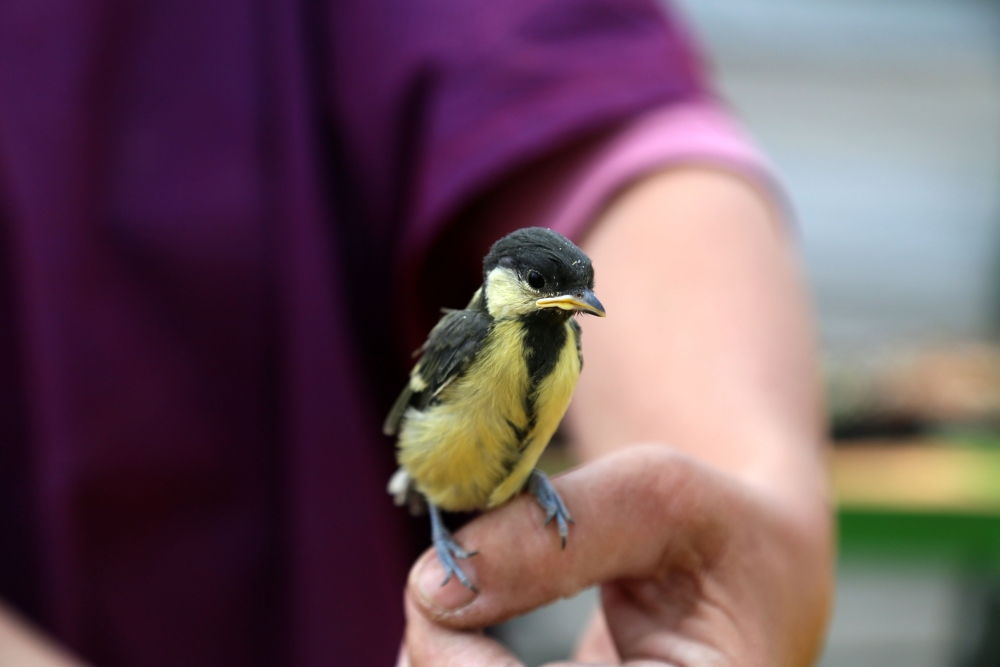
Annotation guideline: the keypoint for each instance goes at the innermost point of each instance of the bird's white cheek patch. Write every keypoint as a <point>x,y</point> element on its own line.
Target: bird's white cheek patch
<point>506,296</point>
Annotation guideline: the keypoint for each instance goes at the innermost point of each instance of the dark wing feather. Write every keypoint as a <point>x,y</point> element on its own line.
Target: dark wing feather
<point>452,344</point>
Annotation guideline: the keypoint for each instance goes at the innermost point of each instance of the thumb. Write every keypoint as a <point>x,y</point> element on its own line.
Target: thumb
<point>637,512</point>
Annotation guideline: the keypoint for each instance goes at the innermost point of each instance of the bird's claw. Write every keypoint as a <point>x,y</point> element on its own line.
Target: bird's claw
<point>448,550</point>
<point>547,496</point>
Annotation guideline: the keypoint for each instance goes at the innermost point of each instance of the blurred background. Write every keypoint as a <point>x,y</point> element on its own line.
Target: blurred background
<point>883,119</point>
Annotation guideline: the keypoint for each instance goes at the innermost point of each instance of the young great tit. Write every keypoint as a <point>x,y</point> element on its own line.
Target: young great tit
<point>492,386</point>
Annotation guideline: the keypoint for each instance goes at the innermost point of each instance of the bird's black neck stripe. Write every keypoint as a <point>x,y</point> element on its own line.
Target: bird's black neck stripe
<point>544,339</point>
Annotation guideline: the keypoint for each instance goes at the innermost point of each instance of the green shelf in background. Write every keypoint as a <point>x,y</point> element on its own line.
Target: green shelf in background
<point>967,540</point>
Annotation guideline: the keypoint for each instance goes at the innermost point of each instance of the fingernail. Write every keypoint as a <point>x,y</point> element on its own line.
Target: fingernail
<point>449,597</point>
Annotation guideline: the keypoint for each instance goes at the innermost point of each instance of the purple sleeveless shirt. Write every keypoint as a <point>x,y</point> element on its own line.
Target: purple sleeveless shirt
<point>213,219</point>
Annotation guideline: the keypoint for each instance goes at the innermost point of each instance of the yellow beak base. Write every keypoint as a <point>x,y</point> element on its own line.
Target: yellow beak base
<point>585,302</point>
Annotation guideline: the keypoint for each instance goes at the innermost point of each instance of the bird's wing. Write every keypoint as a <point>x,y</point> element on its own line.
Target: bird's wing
<point>452,344</point>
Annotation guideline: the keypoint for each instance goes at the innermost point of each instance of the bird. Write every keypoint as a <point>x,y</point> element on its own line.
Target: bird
<point>491,385</point>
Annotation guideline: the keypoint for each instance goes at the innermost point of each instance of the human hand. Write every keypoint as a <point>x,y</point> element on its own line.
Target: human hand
<point>696,568</point>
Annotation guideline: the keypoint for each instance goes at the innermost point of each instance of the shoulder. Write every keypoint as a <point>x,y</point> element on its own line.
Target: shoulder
<point>451,346</point>
<point>457,328</point>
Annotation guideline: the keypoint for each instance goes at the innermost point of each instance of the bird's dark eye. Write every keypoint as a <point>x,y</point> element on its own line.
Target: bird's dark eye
<point>536,280</point>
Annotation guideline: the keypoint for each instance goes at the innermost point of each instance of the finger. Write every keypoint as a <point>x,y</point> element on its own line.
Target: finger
<point>596,645</point>
<point>635,511</point>
<point>429,644</point>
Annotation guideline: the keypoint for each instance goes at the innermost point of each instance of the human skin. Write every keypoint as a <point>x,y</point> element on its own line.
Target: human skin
<point>22,645</point>
<point>703,507</point>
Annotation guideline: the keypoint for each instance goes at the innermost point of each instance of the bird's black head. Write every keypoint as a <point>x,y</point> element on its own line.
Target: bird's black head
<point>533,269</point>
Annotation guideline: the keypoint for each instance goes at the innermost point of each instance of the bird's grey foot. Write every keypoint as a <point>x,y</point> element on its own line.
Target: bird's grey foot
<point>447,549</point>
<point>548,498</point>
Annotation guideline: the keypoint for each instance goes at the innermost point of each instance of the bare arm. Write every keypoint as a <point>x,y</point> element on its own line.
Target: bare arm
<point>708,344</point>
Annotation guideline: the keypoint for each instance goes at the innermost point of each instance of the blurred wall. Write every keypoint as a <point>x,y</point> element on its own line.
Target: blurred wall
<point>883,117</point>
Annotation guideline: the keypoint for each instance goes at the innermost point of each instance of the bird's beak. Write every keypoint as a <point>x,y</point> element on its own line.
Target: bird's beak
<point>584,301</point>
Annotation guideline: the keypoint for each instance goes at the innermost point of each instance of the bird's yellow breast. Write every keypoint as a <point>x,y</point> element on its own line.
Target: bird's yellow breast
<point>476,448</point>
